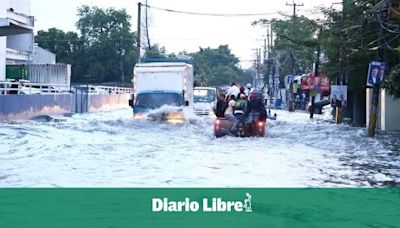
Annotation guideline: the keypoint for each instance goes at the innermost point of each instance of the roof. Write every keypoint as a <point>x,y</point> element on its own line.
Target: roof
<point>163,64</point>
<point>205,88</point>
<point>158,91</point>
<point>170,60</point>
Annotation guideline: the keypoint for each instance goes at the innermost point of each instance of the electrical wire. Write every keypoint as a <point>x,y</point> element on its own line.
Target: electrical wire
<point>211,14</point>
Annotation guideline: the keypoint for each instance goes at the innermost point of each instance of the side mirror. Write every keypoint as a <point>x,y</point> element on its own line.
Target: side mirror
<point>186,103</point>
<point>131,103</point>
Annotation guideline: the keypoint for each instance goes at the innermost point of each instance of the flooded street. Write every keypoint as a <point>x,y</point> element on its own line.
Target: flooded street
<point>112,150</point>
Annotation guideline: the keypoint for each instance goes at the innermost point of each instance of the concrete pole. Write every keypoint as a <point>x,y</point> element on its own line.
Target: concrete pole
<point>139,28</point>
<point>375,92</point>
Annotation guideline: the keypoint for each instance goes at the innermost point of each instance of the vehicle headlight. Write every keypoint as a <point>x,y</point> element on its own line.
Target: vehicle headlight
<point>175,117</point>
<point>138,116</point>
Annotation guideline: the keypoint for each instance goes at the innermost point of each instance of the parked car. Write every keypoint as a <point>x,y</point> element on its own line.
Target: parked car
<point>318,105</point>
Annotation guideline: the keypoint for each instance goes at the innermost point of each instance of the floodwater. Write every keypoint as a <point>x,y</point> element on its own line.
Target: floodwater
<point>111,149</point>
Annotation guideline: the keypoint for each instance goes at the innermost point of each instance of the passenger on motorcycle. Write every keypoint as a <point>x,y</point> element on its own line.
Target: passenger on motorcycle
<point>222,105</point>
<point>255,109</point>
<point>230,110</point>
<point>240,111</point>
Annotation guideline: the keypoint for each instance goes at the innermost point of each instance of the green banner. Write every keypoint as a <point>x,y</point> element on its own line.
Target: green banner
<point>120,208</point>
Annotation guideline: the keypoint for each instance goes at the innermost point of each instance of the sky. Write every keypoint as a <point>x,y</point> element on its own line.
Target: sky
<point>179,32</point>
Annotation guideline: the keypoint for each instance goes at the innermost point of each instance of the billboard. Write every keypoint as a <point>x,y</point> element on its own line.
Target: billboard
<point>339,92</point>
<point>376,73</point>
<point>319,84</point>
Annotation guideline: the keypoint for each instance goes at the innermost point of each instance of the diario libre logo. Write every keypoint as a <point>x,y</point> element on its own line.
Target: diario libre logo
<point>206,205</point>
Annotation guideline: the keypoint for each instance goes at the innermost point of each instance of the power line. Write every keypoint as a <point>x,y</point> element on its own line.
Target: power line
<point>294,7</point>
<point>211,14</point>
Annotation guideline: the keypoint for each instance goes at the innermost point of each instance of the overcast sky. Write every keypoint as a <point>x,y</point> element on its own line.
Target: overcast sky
<point>178,32</point>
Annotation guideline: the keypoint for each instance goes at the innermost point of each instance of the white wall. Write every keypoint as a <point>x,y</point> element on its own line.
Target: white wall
<point>23,42</point>
<point>2,58</point>
<point>388,111</point>
<point>42,56</point>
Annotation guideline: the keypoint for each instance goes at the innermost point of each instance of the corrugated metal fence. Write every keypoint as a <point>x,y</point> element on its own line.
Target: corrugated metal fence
<point>41,73</point>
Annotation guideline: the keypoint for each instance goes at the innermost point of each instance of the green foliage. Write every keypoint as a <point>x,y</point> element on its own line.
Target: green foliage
<point>351,40</point>
<point>155,52</point>
<point>105,41</point>
<point>65,45</point>
<point>215,67</point>
<point>392,83</point>
<point>295,44</point>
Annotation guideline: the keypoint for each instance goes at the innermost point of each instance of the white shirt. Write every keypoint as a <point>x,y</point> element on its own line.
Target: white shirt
<point>229,110</point>
<point>233,90</point>
<point>247,92</point>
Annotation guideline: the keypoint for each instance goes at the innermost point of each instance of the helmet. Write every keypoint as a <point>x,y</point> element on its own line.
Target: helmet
<point>248,85</point>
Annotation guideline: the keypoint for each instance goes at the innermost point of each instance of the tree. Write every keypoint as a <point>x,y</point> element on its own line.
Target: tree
<point>355,36</point>
<point>64,45</point>
<point>295,44</point>
<point>109,42</point>
<point>68,47</point>
<point>103,52</point>
<point>216,67</point>
<point>155,52</point>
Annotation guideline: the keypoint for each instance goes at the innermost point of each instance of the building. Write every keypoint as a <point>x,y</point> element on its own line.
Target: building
<point>43,56</point>
<point>16,34</point>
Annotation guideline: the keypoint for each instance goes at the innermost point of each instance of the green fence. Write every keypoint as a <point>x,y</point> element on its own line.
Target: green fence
<point>17,72</point>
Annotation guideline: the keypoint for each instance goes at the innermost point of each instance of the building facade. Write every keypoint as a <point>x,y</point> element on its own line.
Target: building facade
<point>16,34</point>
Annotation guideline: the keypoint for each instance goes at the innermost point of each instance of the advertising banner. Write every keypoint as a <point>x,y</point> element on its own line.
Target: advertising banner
<point>376,73</point>
<point>318,84</point>
<point>339,92</point>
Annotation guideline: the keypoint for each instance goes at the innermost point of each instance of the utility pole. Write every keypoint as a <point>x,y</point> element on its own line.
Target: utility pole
<point>272,36</point>
<point>295,5</point>
<point>273,66</point>
<point>122,53</point>
<point>291,105</point>
<point>147,27</point>
<point>269,45</point>
<point>373,115</point>
<point>139,27</point>
<point>265,51</point>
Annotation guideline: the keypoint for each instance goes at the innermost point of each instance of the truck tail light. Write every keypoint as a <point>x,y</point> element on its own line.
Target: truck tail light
<point>217,125</point>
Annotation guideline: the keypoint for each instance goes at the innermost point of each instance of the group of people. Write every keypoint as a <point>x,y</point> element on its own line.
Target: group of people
<point>240,105</point>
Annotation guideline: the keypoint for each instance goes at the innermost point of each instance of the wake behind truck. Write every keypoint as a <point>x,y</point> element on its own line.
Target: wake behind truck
<point>162,84</point>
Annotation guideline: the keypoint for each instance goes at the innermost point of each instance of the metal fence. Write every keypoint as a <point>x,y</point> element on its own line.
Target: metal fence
<point>27,88</point>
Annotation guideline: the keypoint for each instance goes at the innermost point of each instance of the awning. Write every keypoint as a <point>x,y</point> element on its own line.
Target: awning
<point>11,27</point>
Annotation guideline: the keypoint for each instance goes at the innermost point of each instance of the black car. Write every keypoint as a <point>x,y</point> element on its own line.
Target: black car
<point>318,105</point>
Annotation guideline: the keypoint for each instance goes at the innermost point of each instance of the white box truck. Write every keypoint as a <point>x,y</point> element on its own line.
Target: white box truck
<point>205,100</point>
<point>162,84</point>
